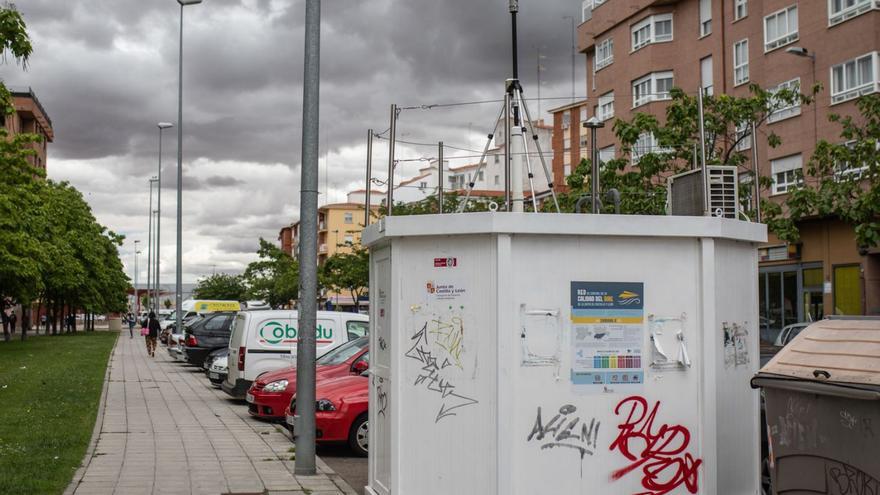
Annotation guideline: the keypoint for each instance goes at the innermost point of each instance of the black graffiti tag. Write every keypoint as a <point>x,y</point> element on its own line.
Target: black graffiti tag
<point>432,380</point>
<point>565,430</point>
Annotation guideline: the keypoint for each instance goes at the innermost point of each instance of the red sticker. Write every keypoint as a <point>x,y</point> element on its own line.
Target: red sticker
<point>445,262</point>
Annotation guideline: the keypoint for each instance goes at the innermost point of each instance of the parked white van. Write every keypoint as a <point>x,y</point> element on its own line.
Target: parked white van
<point>266,340</point>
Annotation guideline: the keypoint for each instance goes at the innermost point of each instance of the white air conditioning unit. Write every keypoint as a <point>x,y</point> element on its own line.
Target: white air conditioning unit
<point>685,192</point>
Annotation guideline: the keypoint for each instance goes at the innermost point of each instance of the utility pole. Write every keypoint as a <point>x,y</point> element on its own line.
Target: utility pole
<point>440,177</point>
<point>369,178</point>
<point>392,138</point>
<point>704,171</point>
<point>305,351</point>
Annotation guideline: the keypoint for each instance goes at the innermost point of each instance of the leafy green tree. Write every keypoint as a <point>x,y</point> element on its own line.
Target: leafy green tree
<point>842,180</point>
<point>220,286</point>
<point>274,277</point>
<point>639,175</point>
<point>428,206</point>
<point>20,250</point>
<point>347,272</point>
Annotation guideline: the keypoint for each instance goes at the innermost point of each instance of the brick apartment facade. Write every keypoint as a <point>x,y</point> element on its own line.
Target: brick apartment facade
<point>30,117</point>
<point>636,49</point>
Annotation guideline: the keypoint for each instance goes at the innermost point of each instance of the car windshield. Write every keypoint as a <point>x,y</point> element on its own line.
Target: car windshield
<point>342,353</point>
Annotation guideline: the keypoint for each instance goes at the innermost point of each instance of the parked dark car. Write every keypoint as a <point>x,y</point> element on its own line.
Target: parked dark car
<point>212,334</point>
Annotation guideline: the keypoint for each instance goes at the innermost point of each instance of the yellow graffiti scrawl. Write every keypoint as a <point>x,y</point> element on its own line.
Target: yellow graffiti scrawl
<point>450,336</point>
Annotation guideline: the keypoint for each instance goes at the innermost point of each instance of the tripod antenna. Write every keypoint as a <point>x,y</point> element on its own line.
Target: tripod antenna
<point>514,8</point>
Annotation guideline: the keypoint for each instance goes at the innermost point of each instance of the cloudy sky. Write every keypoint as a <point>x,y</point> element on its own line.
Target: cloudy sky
<point>106,72</point>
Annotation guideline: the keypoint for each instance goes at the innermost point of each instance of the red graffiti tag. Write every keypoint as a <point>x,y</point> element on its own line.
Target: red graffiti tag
<point>659,452</point>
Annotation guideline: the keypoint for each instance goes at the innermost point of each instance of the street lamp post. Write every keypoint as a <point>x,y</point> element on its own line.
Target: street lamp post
<point>179,271</point>
<point>162,126</point>
<point>137,301</point>
<point>150,246</point>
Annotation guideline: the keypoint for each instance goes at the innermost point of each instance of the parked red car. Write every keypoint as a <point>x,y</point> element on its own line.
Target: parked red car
<point>340,412</point>
<point>271,391</point>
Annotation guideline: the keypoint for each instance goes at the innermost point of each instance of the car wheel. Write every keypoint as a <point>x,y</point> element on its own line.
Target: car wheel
<point>358,436</point>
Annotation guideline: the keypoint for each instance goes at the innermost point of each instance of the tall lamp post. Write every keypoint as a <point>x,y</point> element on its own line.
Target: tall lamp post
<point>308,245</point>
<point>571,18</point>
<point>179,277</point>
<point>150,247</point>
<point>137,301</point>
<point>162,126</point>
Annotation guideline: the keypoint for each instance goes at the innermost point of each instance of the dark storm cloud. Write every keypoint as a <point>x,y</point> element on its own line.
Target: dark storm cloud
<point>106,71</point>
<point>108,78</point>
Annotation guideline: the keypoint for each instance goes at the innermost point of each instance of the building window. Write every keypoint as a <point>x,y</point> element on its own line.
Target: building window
<point>740,9</point>
<point>423,185</point>
<point>566,143</point>
<point>705,17</point>
<point>743,137</point>
<point>497,179</point>
<point>586,10</point>
<point>654,86</point>
<point>787,173</point>
<point>653,29</point>
<point>843,170</point>
<point>606,154</point>
<point>854,78</point>
<point>566,120</point>
<point>741,62</point>
<point>480,175</point>
<point>784,110</point>
<point>349,239</point>
<point>566,169</point>
<point>605,109</point>
<point>604,54</point>
<point>583,113</point>
<point>349,217</point>
<point>583,141</point>
<point>497,158</point>
<point>706,79</point>
<point>646,143</point>
<point>781,28</point>
<point>842,10</point>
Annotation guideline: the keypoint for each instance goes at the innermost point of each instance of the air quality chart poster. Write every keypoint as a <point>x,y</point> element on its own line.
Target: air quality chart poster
<point>607,322</point>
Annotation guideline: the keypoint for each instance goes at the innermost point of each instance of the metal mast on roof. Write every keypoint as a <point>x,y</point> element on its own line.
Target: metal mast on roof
<point>513,110</point>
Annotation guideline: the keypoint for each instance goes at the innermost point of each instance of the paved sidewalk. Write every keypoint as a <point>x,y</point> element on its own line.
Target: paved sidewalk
<point>165,430</point>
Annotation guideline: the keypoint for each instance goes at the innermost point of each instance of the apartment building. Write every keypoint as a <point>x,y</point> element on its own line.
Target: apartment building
<point>339,228</point>
<point>636,50</point>
<point>30,117</point>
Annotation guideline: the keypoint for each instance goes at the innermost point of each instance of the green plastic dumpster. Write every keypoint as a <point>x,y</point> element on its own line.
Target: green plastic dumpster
<point>822,399</point>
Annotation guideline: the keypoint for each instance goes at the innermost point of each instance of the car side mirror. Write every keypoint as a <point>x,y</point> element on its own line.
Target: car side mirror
<point>360,367</point>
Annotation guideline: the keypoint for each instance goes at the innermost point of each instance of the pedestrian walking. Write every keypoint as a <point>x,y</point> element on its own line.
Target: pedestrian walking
<point>130,319</point>
<point>152,326</point>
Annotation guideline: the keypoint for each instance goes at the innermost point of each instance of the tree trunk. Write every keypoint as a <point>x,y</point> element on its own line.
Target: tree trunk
<point>73,319</point>
<point>50,318</point>
<point>25,320</point>
<point>6,322</point>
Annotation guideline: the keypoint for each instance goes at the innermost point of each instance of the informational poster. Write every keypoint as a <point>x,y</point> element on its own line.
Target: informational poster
<point>607,321</point>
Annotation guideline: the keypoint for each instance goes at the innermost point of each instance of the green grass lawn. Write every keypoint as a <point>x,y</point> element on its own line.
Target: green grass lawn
<point>49,393</point>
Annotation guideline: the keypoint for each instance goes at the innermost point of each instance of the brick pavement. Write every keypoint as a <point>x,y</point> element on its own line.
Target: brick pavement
<point>165,430</point>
